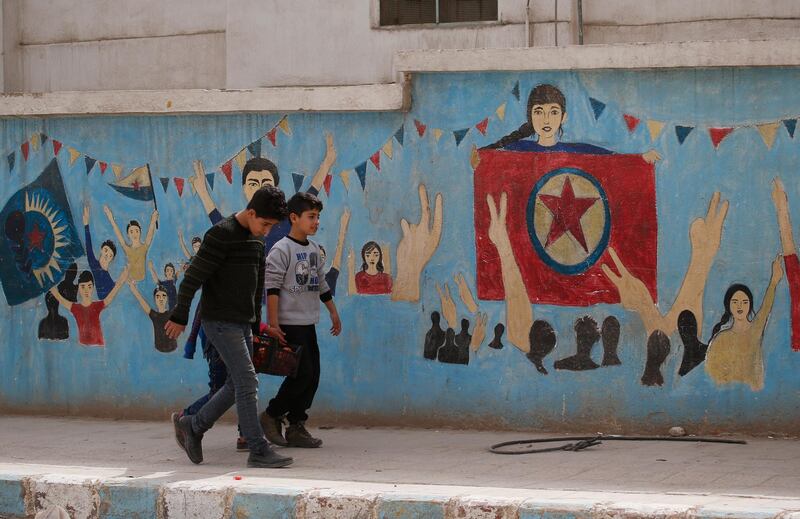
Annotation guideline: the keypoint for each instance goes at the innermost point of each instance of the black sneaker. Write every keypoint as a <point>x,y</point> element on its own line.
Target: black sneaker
<point>241,445</point>
<point>273,429</point>
<point>298,436</point>
<point>192,442</point>
<point>268,459</point>
<point>178,433</point>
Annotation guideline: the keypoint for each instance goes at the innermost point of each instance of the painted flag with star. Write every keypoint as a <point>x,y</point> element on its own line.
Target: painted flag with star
<point>564,211</point>
<point>39,239</point>
<point>138,184</point>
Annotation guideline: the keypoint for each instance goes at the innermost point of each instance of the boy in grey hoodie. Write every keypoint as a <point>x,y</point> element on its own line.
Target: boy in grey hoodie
<point>295,283</point>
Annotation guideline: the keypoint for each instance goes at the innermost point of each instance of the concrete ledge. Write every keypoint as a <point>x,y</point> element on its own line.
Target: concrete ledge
<point>358,98</point>
<point>736,53</point>
<point>252,495</point>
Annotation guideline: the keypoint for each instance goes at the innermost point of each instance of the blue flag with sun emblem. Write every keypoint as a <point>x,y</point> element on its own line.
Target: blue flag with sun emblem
<point>39,239</point>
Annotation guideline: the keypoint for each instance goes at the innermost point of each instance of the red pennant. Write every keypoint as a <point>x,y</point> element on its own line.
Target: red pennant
<point>179,185</point>
<point>631,121</point>
<point>420,127</point>
<point>376,159</point>
<point>103,167</point>
<point>272,135</point>
<point>25,149</point>
<point>327,184</point>
<point>481,126</point>
<point>227,170</point>
<point>56,147</point>
<point>717,134</point>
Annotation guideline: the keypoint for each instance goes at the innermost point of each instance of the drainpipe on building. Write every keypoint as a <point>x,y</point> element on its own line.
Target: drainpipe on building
<point>580,22</point>
<point>528,24</point>
<point>555,32</point>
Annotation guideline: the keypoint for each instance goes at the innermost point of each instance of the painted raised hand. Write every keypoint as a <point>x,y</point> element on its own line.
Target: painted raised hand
<point>651,157</point>
<point>633,293</point>
<point>86,213</point>
<point>705,233</point>
<point>479,333</point>
<point>465,293</point>
<point>448,306</point>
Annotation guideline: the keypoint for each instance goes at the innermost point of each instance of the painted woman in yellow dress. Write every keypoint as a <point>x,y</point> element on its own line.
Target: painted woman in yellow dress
<point>135,250</point>
<point>735,353</point>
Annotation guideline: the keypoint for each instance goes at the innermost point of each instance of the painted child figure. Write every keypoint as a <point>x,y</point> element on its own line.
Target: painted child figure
<point>295,283</point>
<point>159,316</point>
<point>168,283</point>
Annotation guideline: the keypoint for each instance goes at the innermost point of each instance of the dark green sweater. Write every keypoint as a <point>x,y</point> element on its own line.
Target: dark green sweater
<point>230,268</point>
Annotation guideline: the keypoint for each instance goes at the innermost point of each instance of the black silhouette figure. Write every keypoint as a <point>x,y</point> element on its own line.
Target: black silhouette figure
<point>657,351</point>
<point>542,340</point>
<point>694,351</point>
<point>610,335</point>
<point>587,335</point>
<point>449,352</point>
<point>499,328</point>
<point>462,342</point>
<point>54,327</point>
<point>434,339</point>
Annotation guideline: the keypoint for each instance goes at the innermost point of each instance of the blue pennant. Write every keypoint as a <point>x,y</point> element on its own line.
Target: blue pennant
<point>515,90</point>
<point>11,158</point>
<point>361,170</point>
<point>597,107</point>
<point>43,138</point>
<point>164,183</point>
<point>210,179</point>
<point>399,135</point>
<point>790,124</point>
<point>89,163</point>
<point>682,132</point>
<point>255,148</point>
<point>459,135</point>
<point>298,181</point>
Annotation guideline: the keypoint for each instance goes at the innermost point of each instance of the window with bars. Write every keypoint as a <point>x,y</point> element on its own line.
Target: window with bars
<point>406,12</point>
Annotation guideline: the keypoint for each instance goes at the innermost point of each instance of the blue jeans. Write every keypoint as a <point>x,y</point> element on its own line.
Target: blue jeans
<point>234,343</point>
<point>217,375</point>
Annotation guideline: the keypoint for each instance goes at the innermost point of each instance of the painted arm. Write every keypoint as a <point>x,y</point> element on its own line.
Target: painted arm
<point>183,245</point>
<point>465,293</point>
<point>66,303</point>
<point>791,262</point>
<point>343,222</point>
<point>151,230</point>
<point>387,258</point>
<point>201,188</point>
<point>117,286</point>
<point>117,232</point>
<point>784,221</point>
<point>153,273</point>
<point>138,296</point>
<point>448,306</point>
<point>760,322</point>
<point>351,273</point>
<point>519,313</point>
<point>325,167</point>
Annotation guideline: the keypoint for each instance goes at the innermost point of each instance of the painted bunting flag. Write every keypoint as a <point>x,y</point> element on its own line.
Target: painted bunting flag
<point>137,184</point>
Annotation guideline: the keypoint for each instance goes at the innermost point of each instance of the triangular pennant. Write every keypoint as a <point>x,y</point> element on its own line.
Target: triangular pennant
<point>768,132</point>
<point>361,171</point>
<point>420,127</point>
<point>43,138</point>
<point>474,158</point>
<point>654,127</point>
<point>515,90</point>
<point>210,180</point>
<point>298,181</point>
<point>272,135</point>
<point>345,176</point>
<point>25,149</point>
<point>103,167</point>
<point>227,170</point>
<point>481,126</point>
<point>631,122</point>
<point>459,135</point>
<point>179,185</point>
<point>56,147</point>
<point>387,148</point>
<point>790,124</point>
<point>164,183</point>
<point>327,184</point>
<point>284,126</point>
<point>597,107</point>
<point>717,134</point>
<point>376,159</point>
<point>437,134</point>
<point>399,135</point>
<point>255,148</point>
<point>241,159</point>
<point>682,132</point>
<point>35,142</point>
<point>11,159</point>
<point>73,155</point>
<point>117,169</point>
<point>89,163</point>
<point>501,111</point>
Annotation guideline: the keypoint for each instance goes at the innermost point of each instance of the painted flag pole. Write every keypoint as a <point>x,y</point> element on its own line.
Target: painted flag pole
<point>155,204</point>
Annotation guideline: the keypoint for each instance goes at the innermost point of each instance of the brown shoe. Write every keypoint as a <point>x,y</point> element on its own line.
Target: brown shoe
<point>273,429</point>
<point>298,436</point>
<point>241,445</point>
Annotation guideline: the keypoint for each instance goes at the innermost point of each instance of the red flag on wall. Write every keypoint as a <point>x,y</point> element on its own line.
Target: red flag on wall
<point>564,211</point>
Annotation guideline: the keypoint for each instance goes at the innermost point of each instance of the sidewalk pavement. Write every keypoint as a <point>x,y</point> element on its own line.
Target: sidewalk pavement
<point>120,469</point>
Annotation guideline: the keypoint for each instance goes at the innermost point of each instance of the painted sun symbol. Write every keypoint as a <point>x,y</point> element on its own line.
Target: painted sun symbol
<point>38,204</point>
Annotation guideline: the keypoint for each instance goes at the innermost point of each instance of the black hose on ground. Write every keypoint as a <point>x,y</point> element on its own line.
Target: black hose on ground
<point>584,442</point>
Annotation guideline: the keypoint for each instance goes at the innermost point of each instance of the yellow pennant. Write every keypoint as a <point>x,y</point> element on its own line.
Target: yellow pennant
<point>437,133</point>
<point>284,126</point>
<point>655,128</point>
<point>474,159</point>
<point>35,142</point>
<point>501,111</point>
<point>345,176</point>
<point>387,148</point>
<point>768,132</point>
<point>117,169</point>
<point>73,155</point>
<point>241,159</point>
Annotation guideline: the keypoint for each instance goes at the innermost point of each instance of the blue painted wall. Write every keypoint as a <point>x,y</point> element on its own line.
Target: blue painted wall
<point>375,370</point>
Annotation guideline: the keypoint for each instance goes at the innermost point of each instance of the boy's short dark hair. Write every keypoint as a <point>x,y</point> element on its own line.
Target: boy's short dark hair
<point>110,245</point>
<point>133,223</point>
<point>169,265</point>
<point>301,202</point>
<point>85,277</point>
<point>159,288</point>
<point>269,202</point>
<point>196,239</point>
<point>260,164</point>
